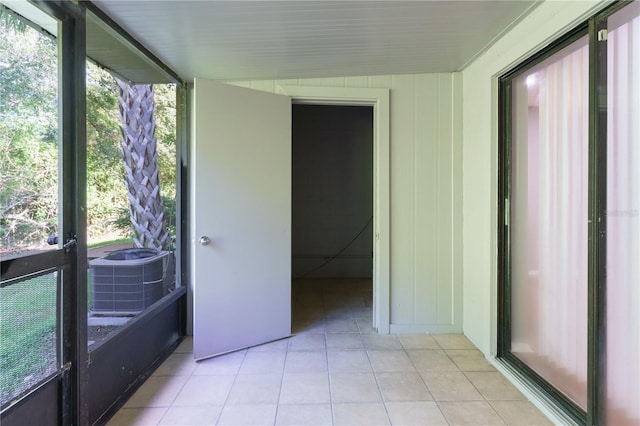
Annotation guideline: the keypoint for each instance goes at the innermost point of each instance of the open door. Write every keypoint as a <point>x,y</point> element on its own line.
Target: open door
<point>241,218</point>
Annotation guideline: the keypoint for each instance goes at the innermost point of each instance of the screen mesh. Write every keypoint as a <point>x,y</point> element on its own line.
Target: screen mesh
<point>28,333</point>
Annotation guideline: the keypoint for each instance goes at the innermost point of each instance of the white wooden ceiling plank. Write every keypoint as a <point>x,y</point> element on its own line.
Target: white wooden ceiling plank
<point>291,39</point>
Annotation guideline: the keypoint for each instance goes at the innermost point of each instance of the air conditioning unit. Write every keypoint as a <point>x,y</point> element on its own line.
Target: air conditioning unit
<point>126,282</point>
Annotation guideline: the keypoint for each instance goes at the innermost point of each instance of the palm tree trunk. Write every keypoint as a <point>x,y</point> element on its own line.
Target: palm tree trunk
<point>137,114</point>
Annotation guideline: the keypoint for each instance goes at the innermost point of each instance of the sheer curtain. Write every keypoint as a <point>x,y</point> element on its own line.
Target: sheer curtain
<point>623,218</point>
<point>549,220</point>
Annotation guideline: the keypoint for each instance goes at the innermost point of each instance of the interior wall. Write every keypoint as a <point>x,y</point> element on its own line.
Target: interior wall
<point>480,160</point>
<point>425,192</point>
<point>332,191</point>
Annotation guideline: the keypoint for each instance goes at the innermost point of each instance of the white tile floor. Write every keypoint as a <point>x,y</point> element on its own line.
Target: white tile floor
<point>334,371</point>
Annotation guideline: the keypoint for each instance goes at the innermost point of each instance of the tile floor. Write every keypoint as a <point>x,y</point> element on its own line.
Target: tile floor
<point>334,370</point>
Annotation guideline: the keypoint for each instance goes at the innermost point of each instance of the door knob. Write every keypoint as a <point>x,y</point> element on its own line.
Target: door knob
<point>204,240</point>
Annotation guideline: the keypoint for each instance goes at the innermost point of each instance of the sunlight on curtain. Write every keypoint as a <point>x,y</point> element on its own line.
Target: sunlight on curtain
<point>623,218</point>
<point>549,196</point>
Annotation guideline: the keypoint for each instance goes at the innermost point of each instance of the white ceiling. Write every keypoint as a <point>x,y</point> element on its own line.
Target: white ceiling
<point>237,40</point>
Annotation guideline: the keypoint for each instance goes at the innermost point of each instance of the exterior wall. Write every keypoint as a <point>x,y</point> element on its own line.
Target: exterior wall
<point>426,194</point>
<point>546,23</point>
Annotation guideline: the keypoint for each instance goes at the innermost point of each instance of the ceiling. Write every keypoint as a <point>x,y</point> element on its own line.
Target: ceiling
<point>239,40</point>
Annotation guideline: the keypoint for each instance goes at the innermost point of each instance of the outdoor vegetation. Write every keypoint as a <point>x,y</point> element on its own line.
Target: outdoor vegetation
<point>28,335</point>
<point>29,136</point>
<point>128,146</point>
<point>29,139</point>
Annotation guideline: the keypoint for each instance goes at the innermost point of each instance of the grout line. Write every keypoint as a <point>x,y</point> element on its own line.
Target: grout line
<point>284,367</point>
<point>235,377</point>
<point>326,297</point>
<point>326,351</point>
<point>333,416</point>
<point>375,377</point>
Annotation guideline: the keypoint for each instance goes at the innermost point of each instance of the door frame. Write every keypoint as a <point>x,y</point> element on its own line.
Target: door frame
<point>379,100</point>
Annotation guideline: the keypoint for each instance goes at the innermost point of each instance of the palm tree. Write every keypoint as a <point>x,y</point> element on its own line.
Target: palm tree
<point>137,114</point>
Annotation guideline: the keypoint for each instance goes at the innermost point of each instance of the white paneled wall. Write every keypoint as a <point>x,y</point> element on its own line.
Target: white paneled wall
<point>426,194</point>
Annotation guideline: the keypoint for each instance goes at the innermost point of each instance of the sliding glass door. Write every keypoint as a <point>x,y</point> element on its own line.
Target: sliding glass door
<point>549,174</point>
<point>570,222</point>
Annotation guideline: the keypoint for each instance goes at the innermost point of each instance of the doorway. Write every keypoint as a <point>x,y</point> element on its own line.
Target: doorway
<point>255,191</point>
<point>332,191</point>
<point>332,216</point>
<point>378,100</point>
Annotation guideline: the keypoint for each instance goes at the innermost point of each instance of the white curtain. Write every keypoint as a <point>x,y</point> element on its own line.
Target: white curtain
<point>549,231</point>
<point>623,219</point>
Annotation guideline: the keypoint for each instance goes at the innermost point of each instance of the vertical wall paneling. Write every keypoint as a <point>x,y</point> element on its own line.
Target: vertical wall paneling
<point>380,82</point>
<point>266,86</point>
<point>355,81</point>
<point>333,82</point>
<point>456,198</point>
<point>426,195</point>
<point>403,227</point>
<point>426,162</point>
<point>307,82</point>
<point>246,84</point>
<point>445,198</point>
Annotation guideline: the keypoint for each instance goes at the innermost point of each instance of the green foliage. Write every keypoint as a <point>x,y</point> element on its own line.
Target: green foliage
<point>9,20</point>
<point>108,206</point>
<point>28,136</point>
<point>106,196</point>
<point>165,104</point>
<point>29,144</point>
<point>111,242</point>
<point>27,333</point>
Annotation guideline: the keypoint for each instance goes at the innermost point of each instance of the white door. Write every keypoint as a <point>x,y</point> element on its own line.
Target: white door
<point>241,218</point>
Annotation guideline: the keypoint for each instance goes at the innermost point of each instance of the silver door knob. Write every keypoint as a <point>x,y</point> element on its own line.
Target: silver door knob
<point>204,240</point>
